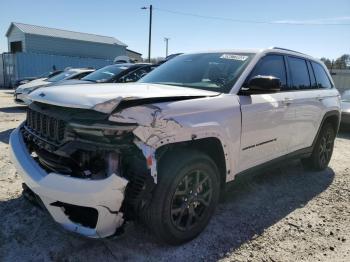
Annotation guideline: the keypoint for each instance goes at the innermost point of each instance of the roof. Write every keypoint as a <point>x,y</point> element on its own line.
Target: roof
<point>79,70</point>
<point>132,51</point>
<point>59,33</point>
<point>262,51</point>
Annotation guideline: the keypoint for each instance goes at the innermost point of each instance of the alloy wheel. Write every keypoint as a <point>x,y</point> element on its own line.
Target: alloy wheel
<point>191,200</point>
<point>326,146</point>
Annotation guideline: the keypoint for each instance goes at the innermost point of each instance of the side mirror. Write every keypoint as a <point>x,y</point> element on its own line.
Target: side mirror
<point>264,84</point>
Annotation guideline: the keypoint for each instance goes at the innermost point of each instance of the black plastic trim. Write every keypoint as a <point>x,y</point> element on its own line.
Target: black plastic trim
<point>325,117</point>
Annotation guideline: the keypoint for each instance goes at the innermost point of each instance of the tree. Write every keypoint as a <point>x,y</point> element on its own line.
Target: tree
<point>341,62</point>
<point>327,62</point>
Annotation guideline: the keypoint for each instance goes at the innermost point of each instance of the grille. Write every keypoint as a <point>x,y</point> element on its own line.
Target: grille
<point>45,126</point>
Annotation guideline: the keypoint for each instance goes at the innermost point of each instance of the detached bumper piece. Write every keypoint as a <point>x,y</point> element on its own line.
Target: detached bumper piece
<point>85,206</point>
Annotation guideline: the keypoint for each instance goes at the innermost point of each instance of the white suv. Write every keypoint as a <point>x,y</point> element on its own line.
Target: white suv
<point>162,149</point>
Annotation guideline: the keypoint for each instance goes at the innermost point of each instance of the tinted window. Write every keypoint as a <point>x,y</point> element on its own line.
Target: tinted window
<point>81,75</point>
<point>106,74</point>
<point>136,75</point>
<point>312,75</point>
<point>321,76</point>
<point>61,76</point>
<point>299,73</point>
<point>208,71</point>
<point>271,65</point>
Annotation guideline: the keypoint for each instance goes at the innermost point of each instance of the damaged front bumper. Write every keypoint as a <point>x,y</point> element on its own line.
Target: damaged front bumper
<point>59,193</point>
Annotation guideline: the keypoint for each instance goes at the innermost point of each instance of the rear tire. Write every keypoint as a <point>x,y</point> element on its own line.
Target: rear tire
<point>323,149</point>
<point>185,197</point>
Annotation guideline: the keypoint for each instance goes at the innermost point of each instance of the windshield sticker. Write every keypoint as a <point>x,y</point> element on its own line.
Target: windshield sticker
<point>234,57</point>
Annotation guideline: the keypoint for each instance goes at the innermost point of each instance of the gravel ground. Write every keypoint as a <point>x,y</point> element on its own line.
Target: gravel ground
<point>285,214</point>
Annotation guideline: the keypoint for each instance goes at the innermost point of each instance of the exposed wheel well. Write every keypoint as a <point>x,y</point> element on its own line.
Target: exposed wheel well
<point>210,146</point>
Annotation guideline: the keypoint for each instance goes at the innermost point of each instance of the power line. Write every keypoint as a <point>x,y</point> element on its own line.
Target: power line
<point>250,21</point>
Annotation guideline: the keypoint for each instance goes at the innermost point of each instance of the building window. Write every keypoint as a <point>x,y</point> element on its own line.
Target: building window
<point>16,46</point>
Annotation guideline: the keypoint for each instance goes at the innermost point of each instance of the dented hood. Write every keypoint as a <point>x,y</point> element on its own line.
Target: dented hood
<point>91,96</point>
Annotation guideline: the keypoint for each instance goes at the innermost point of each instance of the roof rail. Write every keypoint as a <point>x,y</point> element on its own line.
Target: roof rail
<point>285,49</point>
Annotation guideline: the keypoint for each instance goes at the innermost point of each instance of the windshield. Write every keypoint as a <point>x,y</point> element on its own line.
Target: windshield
<point>208,71</point>
<point>106,73</point>
<point>44,75</point>
<point>61,76</point>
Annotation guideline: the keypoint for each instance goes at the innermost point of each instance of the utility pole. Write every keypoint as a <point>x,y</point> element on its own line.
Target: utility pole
<point>150,31</point>
<point>166,39</point>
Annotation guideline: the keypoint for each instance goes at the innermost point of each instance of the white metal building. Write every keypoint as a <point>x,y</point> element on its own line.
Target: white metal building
<point>34,50</point>
<point>44,40</point>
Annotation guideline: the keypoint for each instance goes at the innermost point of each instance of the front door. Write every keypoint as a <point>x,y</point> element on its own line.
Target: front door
<point>266,118</point>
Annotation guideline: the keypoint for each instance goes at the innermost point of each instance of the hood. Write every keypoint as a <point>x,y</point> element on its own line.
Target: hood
<point>71,82</point>
<point>90,97</point>
<point>33,84</point>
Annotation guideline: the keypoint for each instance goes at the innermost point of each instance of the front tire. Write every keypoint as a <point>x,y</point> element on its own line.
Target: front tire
<point>323,150</point>
<point>185,197</point>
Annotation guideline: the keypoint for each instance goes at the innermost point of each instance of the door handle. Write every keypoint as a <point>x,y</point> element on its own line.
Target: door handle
<point>319,98</point>
<point>287,101</point>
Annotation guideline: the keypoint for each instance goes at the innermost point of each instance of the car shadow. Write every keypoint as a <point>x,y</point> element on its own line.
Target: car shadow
<point>13,109</point>
<point>251,204</point>
<point>5,135</point>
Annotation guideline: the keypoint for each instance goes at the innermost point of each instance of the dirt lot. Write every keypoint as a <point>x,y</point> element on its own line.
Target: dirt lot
<point>286,214</point>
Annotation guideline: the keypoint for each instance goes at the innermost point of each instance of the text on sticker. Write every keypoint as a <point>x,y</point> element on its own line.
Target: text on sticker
<point>234,57</point>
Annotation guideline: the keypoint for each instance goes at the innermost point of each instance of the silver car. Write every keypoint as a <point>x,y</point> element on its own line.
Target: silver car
<point>345,108</point>
<point>22,92</point>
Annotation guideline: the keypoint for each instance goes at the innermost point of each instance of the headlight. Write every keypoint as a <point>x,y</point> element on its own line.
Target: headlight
<point>108,106</point>
<point>31,89</point>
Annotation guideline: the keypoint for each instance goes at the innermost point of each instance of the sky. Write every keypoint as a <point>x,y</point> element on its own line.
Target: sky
<point>195,25</point>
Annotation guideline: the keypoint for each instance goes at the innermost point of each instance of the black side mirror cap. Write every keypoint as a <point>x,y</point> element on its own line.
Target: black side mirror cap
<point>264,84</point>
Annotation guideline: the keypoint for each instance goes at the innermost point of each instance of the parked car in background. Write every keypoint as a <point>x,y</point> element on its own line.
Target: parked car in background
<point>21,92</point>
<point>161,150</point>
<point>345,108</point>
<point>116,73</point>
<point>42,77</point>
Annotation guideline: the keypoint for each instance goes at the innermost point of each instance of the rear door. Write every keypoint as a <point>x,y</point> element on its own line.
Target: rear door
<point>266,118</point>
<point>307,104</point>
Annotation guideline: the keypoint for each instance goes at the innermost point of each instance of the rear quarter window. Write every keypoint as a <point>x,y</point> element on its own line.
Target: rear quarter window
<point>321,76</point>
<point>299,72</point>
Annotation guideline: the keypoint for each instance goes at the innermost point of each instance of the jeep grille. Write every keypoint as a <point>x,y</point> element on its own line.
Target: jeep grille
<point>45,126</point>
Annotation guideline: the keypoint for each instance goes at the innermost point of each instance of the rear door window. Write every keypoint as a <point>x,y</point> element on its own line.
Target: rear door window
<point>299,73</point>
<point>312,75</point>
<point>321,76</point>
<point>271,65</point>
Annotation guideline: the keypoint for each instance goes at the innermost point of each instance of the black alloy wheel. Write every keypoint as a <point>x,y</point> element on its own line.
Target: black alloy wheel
<point>191,200</point>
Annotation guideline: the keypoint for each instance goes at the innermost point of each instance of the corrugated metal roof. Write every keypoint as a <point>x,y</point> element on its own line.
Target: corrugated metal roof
<point>53,32</point>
